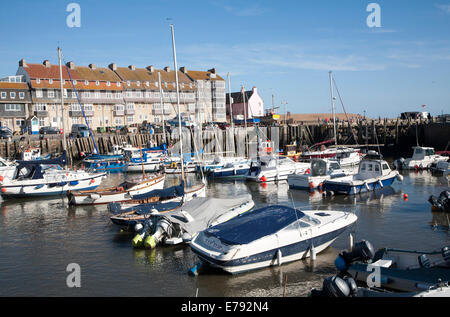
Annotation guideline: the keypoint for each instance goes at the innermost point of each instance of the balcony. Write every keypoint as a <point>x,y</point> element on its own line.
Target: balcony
<point>119,112</point>
<point>130,111</point>
<point>75,113</point>
<point>41,113</point>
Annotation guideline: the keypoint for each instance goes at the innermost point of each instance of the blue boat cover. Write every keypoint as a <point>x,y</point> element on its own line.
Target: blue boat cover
<point>174,191</point>
<point>35,166</point>
<point>251,226</point>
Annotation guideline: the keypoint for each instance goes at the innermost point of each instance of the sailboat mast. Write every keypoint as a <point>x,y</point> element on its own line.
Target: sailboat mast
<point>245,120</point>
<point>178,99</point>
<point>62,101</point>
<point>231,102</point>
<point>162,105</point>
<point>332,107</point>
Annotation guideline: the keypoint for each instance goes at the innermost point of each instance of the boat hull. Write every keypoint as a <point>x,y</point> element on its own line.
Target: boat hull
<point>353,189</point>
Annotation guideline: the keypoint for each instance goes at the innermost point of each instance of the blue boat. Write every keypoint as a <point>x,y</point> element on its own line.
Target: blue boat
<point>269,236</point>
<point>230,170</point>
<point>374,173</point>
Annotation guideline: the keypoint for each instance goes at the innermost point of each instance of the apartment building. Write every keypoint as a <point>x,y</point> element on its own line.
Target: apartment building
<point>118,96</point>
<point>210,95</point>
<point>15,102</point>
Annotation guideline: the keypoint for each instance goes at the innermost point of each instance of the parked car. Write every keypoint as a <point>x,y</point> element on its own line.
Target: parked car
<point>79,131</point>
<point>5,133</point>
<point>49,130</point>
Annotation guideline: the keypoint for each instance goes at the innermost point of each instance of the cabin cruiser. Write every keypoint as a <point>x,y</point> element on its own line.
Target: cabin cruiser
<point>230,170</point>
<point>347,157</point>
<point>423,158</point>
<point>47,178</point>
<point>373,173</point>
<point>269,236</point>
<point>321,170</point>
<point>274,168</point>
<point>138,160</point>
<point>440,167</point>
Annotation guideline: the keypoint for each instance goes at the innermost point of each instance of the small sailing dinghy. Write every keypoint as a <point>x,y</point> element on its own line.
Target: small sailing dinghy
<point>47,178</point>
<point>121,193</point>
<point>269,236</point>
<point>184,222</point>
<point>374,173</point>
<point>314,177</point>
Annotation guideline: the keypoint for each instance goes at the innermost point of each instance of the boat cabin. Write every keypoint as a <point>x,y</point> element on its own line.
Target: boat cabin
<point>321,167</point>
<point>421,152</point>
<point>373,168</point>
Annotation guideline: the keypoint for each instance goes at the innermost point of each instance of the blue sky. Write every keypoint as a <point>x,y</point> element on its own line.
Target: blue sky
<point>285,48</point>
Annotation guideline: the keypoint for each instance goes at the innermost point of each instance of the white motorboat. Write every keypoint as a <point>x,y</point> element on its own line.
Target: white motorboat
<point>274,168</point>
<point>47,178</point>
<point>423,158</point>
<point>230,170</point>
<point>347,157</point>
<point>269,236</point>
<point>137,160</point>
<point>174,167</point>
<point>7,169</point>
<point>321,170</point>
<point>374,173</point>
<point>440,167</point>
<point>122,193</point>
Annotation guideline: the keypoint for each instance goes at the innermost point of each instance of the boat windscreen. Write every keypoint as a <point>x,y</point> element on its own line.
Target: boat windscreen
<point>254,225</point>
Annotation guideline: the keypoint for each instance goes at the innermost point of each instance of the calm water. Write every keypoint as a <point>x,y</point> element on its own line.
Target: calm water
<point>39,238</point>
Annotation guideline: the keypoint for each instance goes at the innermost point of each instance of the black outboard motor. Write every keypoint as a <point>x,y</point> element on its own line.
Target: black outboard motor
<point>446,254</point>
<point>441,203</point>
<point>335,286</point>
<point>362,251</point>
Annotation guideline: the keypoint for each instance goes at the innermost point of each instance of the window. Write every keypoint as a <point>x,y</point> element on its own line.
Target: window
<point>130,119</point>
<point>118,95</point>
<point>97,83</point>
<point>385,166</point>
<point>109,95</point>
<point>97,95</point>
<point>130,106</point>
<point>118,84</point>
<point>75,107</point>
<point>63,81</point>
<point>369,167</point>
<point>50,94</point>
<point>377,168</point>
<point>87,94</point>
<point>65,93</point>
<point>40,107</point>
<point>39,93</point>
<point>41,122</point>
<point>12,95</point>
<point>138,83</point>
<point>128,83</point>
<point>128,94</point>
<point>147,84</point>
<point>50,81</point>
<point>156,84</point>
<point>74,120</point>
<point>38,81</point>
<point>86,82</point>
<point>13,107</point>
<point>3,95</point>
<point>108,83</point>
<point>363,167</point>
<point>74,82</point>
<point>138,94</point>
<point>74,95</point>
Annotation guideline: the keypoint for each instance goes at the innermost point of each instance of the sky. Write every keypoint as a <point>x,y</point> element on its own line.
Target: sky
<point>284,48</point>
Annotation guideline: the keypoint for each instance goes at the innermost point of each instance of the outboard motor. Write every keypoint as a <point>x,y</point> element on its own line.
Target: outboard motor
<point>335,286</point>
<point>362,251</point>
<point>141,229</point>
<point>442,203</point>
<point>398,164</point>
<point>163,230</point>
<point>446,254</point>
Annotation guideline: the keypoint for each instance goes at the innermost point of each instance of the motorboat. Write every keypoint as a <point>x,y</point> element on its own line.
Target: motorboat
<point>274,168</point>
<point>440,167</point>
<point>347,157</point>
<point>174,167</point>
<point>7,168</point>
<point>34,153</point>
<point>230,170</point>
<point>138,160</point>
<point>373,173</point>
<point>320,170</point>
<point>47,178</point>
<point>183,223</point>
<point>422,158</point>
<point>120,193</point>
<point>219,162</point>
<point>269,236</point>
<point>393,269</point>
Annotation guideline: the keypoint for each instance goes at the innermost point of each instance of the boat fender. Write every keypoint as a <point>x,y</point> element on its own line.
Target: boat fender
<point>446,254</point>
<point>39,186</point>
<point>4,190</point>
<point>367,186</point>
<point>279,257</point>
<point>380,183</point>
<point>362,251</point>
<point>400,178</point>
<point>424,261</point>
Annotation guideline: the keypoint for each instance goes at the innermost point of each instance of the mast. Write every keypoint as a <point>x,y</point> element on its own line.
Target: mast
<point>245,120</point>
<point>231,102</point>
<point>162,105</point>
<point>178,100</point>
<point>332,107</point>
<point>62,102</point>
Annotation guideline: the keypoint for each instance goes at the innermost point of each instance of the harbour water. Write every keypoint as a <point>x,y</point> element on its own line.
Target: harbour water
<point>40,237</point>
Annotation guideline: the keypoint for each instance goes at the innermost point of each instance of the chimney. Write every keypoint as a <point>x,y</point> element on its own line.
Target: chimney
<point>254,89</point>
<point>167,69</point>
<point>132,67</point>
<point>183,70</point>
<point>113,66</point>
<point>71,65</point>
<point>92,66</point>
<point>46,63</point>
<point>151,69</point>
<point>212,70</point>
<point>22,63</point>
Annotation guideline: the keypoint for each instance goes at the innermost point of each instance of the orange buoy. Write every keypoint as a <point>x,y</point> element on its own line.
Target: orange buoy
<point>405,196</point>
<point>1,178</point>
<point>263,179</point>
<point>92,180</point>
<point>4,190</point>
<point>308,171</point>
